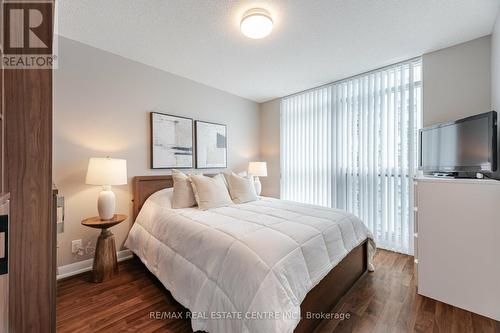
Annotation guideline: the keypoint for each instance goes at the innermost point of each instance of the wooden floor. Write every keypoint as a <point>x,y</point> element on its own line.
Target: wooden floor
<point>383,301</point>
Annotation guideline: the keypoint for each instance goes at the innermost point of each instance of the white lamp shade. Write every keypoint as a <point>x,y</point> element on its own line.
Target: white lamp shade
<point>106,171</point>
<point>258,169</point>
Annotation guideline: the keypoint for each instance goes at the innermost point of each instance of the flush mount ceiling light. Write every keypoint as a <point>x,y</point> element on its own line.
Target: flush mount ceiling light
<point>256,23</point>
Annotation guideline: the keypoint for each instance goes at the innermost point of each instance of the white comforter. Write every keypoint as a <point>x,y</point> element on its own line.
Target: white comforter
<point>246,267</point>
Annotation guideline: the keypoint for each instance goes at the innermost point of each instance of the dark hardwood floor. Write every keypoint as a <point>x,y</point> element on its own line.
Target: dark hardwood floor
<point>383,301</point>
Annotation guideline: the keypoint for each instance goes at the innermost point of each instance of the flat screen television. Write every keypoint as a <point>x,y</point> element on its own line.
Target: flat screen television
<point>467,145</point>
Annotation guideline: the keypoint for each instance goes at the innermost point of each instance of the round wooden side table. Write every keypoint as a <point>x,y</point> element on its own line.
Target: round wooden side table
<point>105,263</point>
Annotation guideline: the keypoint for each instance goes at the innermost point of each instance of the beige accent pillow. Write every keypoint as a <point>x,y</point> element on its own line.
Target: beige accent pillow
<point>241,188</point>
<point>210,192</point>
<point>183,192</point>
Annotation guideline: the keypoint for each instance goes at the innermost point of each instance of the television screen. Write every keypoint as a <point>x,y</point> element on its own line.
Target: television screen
<point>466,145</point>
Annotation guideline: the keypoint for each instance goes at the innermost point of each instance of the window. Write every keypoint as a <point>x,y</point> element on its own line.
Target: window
<point>352,145</point>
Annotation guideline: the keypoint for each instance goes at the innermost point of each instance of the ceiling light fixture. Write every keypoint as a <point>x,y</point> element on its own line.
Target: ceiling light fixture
<point>256,23</point>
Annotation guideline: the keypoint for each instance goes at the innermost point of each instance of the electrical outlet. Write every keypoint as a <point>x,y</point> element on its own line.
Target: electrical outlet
<point>76,245</point>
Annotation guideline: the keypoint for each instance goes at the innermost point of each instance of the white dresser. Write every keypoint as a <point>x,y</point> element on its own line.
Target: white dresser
<point>457,242</point>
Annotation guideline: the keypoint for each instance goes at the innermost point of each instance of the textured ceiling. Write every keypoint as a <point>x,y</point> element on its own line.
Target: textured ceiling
<point>313,42</point>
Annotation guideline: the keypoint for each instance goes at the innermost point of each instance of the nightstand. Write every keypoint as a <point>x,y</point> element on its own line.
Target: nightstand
<point>105,262</point>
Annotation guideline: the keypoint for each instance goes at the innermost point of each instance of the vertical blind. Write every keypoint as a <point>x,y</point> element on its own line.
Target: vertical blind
<point>352,145</point>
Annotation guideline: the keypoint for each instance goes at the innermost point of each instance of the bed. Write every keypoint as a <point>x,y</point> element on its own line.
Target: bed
<point>263,266</point>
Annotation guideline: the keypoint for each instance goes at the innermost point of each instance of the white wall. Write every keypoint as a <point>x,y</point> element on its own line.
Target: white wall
<point>457,81</point>
<point>101,107</point>
<point>270,146</point>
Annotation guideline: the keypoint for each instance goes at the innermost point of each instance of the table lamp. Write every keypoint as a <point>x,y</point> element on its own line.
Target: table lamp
<point>257,169</point>
<point>106,172</point>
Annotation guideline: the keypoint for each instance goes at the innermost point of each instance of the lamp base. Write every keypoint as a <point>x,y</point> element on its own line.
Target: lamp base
<point>106,203</point>
<point>257,185</point>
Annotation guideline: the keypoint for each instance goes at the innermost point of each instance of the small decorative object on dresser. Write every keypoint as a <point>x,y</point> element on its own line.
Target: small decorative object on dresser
<point>211,145</point>
<point>106,172</point>
<point>105,262</point>
<point>171,141</point>
<point>257,169</point>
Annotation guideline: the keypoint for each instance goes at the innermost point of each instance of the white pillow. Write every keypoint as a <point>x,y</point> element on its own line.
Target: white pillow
<point>241,174</point>
<point>210,192</point>
<point>241,188</point>
<point>163,197</point>
<point>183,192</point>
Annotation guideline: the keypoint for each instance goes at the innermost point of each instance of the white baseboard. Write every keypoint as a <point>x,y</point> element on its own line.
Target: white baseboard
<point>86,265</point>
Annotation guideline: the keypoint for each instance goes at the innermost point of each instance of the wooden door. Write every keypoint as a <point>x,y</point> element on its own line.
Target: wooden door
<point>4,256</point>
<point>27,117</point>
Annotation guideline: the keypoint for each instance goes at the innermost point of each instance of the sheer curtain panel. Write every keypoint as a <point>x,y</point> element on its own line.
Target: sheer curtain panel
<point>352,145</point>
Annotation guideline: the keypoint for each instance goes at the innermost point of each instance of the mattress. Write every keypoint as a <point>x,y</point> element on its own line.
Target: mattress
<point>246,267</point>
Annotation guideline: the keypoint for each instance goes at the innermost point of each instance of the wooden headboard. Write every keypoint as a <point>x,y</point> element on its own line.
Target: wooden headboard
<point>144,186</point>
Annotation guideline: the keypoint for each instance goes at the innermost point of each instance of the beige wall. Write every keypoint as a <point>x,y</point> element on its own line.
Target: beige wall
<point>495,80</point>
<point>495,66</point>
<point>270,146</point>
<point>101,107</point>
<point>457,81</point>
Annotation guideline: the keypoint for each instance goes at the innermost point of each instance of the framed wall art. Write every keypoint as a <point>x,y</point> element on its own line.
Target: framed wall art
<point>211,145</point>
<point>171,141</point>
